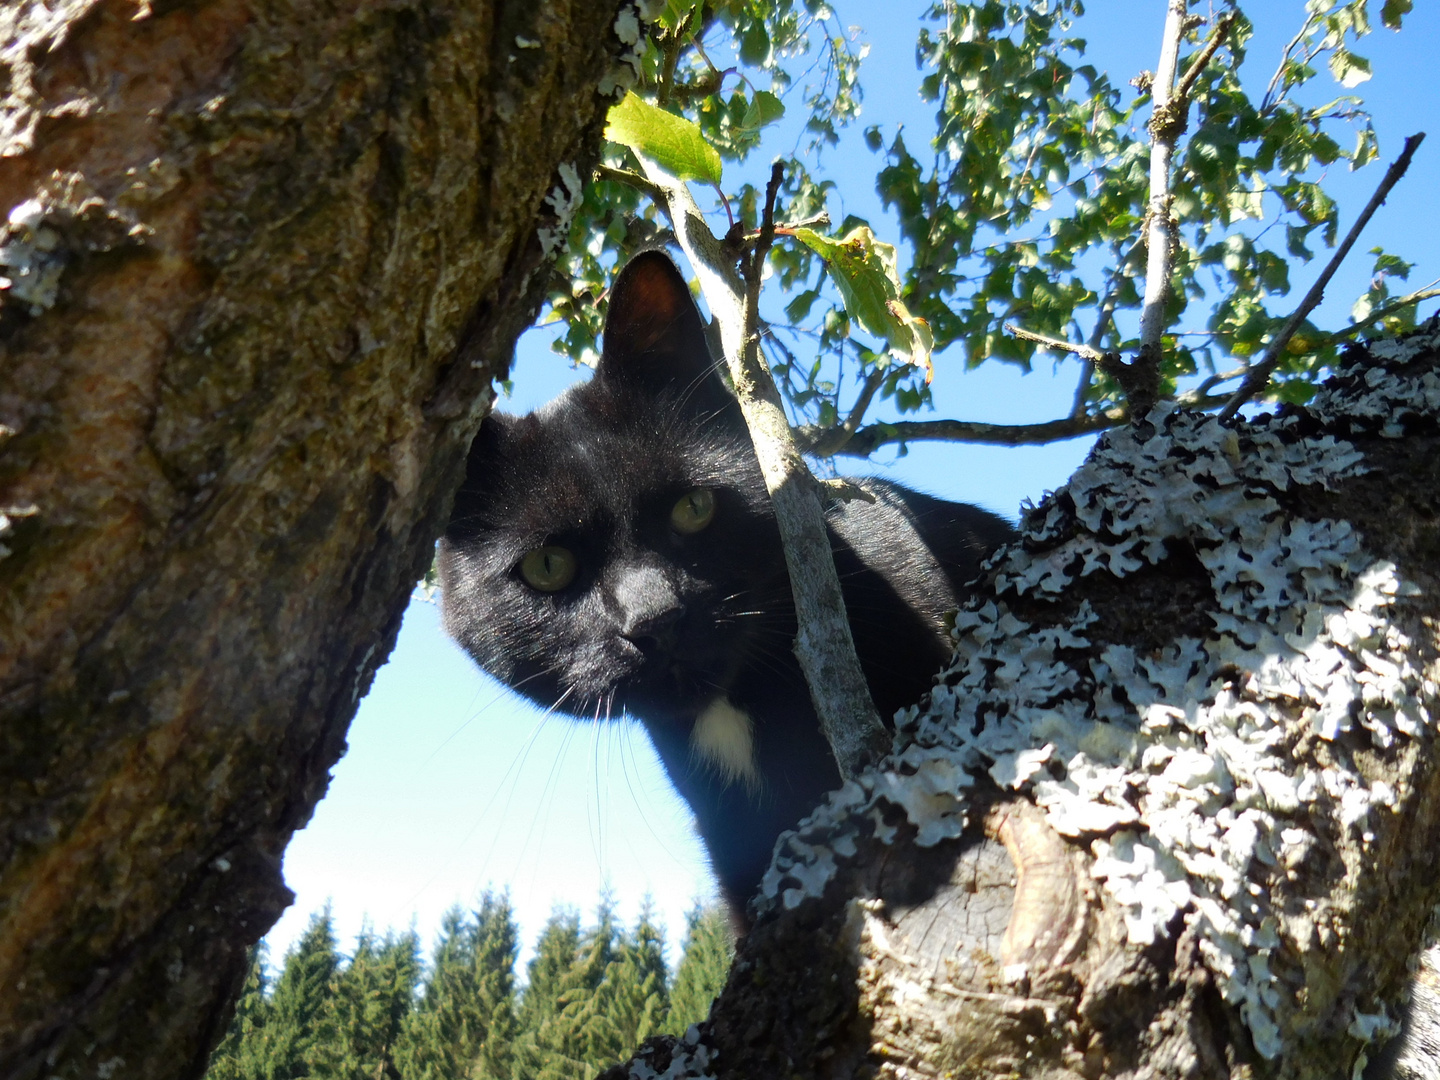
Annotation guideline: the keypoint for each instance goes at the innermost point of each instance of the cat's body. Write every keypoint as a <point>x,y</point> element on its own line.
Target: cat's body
<point>616,550</point>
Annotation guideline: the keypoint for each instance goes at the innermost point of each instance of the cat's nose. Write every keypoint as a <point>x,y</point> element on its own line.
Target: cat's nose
<point>648,605</point>
<point>657,628</point>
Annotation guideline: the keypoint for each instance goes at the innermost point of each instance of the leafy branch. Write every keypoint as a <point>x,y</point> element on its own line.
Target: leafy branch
<point>1011,162</point>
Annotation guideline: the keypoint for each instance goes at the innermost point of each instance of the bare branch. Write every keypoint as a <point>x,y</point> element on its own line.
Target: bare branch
<point>1058,344</point>
<point>1197,398</point>
<point>819,221</point>
<point>672,45</point>
<point>1082,388</point>
<point>873,436</point>
<point>1260,373</point>
<point>1201,59</point>
<point>1268,102</point>
<point>1103,321</point>
<point>823,644</point>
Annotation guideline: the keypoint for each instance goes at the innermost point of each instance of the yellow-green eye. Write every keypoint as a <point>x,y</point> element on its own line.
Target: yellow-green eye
<point>694,511</point>
<point>549,568</point>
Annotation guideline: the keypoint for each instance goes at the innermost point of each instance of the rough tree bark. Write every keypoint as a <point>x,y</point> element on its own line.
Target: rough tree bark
<point>262,260</point>
<point>1174,810</point>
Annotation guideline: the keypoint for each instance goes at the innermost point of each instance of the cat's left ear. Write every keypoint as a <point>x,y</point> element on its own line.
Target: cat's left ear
<point>655,339</point>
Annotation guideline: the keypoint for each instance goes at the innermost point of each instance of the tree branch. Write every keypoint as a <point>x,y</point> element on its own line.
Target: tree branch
<point>671,46</point>
<point>1095,356</point>
<point>1260,373</point>
<point>1202,392</point>
<point>1268,102</point>
<point>1104,319</point>
<point>1201,59</point>
<point>1141,380</point>
<point>823,645</point>
<point>1166,123</point>
<point>833,440</point>
<point>873,436</point>
<point>613,175</point>
<point>1398,304</point>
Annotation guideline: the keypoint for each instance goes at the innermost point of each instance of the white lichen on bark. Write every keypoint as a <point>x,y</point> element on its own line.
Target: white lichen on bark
<point>1178,767</point>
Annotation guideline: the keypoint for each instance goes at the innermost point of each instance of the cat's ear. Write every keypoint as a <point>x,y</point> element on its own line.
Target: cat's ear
<point>655,339</point>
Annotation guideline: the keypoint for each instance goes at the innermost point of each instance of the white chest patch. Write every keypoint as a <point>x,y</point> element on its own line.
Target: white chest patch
<point>724,739</point>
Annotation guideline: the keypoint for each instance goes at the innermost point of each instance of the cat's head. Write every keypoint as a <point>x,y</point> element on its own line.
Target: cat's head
<point>616,548</point>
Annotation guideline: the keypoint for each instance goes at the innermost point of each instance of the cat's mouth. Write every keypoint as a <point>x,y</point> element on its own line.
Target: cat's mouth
<point>662,674</point>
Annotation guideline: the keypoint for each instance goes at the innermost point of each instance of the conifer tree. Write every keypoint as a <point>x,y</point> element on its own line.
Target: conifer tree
<point>703,968</point>
<point>541,1051</point>
<point>238,1055</point>
<point>300,1038</point>
<point>635,993</point>
<point>443,1035</point>
<point>555,953</point>
<point>462,1027</point>
<point>374,995</point>
<point>496,950</point>
<point>583,1037</point>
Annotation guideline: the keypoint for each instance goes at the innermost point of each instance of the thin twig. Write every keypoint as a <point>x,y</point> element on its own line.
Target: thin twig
<point>755,265</point>
<point>1202,58</point>
<point>1260,373</point>
<point>1103,321</point>
<point>819,221</point>
<point>624,176</point>
<point>832,440</point>
<point>1398,304</point>
<point>1082,388</point>
<point>1266,102</point>
<point>1202,392</point>
<point>1095,356</point>
<point>1203,402</point>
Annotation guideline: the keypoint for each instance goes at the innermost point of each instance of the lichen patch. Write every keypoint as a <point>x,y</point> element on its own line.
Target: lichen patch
<point>1204,774</point>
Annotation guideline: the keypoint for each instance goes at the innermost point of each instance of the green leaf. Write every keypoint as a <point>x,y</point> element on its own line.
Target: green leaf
<point>1366,148</point>
<point>863,269</point>
<point>1390,264</point>
<point>755,44</point>
<point>1349,70</point>
<point>1393,12</point>
<point>800,307</point>
<point>670,141</point>
<point>677,13</point>
<point>764,108</point>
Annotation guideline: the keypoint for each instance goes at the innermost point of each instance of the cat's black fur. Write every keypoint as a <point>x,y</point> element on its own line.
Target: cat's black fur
<point>662,624</point>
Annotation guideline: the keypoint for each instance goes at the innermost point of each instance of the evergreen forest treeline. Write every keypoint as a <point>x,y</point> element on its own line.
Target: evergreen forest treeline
<point>592,995</point>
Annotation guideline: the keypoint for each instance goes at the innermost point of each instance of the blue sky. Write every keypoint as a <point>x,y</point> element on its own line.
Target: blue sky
<point>451,785</point>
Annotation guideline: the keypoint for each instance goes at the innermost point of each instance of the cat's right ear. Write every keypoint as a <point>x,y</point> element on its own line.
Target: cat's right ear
<point>655,339</point>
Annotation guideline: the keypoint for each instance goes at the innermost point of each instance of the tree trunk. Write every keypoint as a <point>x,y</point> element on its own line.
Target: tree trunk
<point>1174,811</point>
<point>263,260</point>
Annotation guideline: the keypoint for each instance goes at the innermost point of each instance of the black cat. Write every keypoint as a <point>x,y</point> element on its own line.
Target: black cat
<point>616,549</point>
